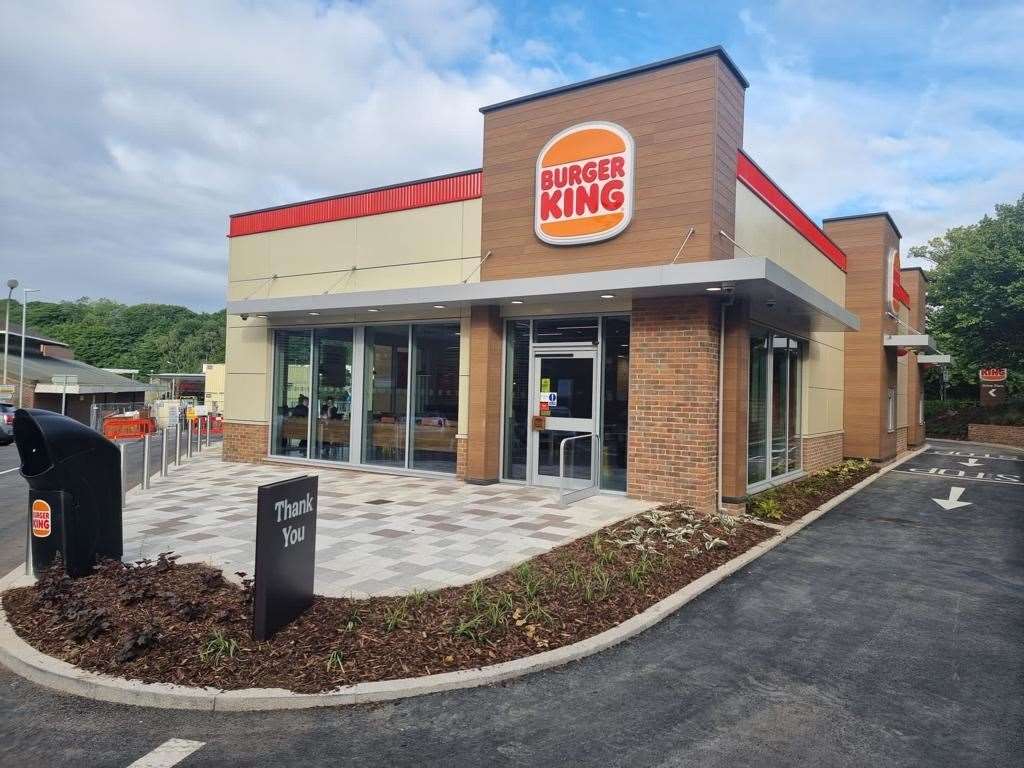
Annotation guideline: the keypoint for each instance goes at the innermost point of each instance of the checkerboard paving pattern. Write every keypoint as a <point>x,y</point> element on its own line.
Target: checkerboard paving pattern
<point>377,534</point>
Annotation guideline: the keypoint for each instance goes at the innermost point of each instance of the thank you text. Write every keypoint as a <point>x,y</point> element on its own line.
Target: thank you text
<point>285,553</point>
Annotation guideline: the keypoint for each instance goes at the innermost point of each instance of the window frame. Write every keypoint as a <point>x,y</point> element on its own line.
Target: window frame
<point>794,379</point>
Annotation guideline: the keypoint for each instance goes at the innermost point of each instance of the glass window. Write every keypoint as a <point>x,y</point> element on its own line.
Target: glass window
<point>773,427</point>
<point>565,329</point>
<point>793,440</point>
<point>386,394</point>
<point>571,380</point>
<point>757,430</point>
<point>780,403</point>
<point>614,431</point>
<point>517,397</point>
<point>290,428</point>
<point>577,454</point>
<point>332,398</point>
<point>435,396</point>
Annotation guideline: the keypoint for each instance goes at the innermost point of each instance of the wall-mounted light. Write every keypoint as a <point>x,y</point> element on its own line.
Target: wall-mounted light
<point>517,301</point>
<point>607,295</point>
<point>313,314</point>
<point>372,309</point>
<point>713,288</point>
<point>439,306</point>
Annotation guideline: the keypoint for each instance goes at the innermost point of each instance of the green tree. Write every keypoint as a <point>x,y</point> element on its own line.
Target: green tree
<point>150,337</point>
<point>976,295</point>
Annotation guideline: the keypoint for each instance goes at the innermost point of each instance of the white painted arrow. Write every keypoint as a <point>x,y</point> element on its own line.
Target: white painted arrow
<point>953,502</point>
<point>971,463</point>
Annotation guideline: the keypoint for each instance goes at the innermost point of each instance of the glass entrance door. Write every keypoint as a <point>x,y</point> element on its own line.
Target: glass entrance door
<point>565,404</point>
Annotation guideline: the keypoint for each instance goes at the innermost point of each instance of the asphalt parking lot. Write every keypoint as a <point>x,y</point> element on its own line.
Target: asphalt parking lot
<point>886,633</point>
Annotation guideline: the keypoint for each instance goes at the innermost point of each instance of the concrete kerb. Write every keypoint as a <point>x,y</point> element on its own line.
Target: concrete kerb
<point>61,676</point>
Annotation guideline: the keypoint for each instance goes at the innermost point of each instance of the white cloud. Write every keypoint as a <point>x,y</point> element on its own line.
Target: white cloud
<point>926,149</point>
<point>129,131</point>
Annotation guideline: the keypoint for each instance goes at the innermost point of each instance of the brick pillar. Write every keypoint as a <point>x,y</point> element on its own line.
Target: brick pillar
<point>673,400</point>
<point>482,448</point>
<point>244,442</point>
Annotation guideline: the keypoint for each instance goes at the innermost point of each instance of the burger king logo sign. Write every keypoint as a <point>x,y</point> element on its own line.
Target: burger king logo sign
<point>584,185</point>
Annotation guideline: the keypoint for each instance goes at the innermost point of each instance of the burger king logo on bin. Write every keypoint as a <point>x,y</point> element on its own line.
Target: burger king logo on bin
<point>584,186</point>
<point>40,519</point>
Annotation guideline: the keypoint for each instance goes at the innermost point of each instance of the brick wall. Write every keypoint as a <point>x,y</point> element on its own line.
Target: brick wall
<point>901,440</point>
<point>821,451</point>
<point>461,448</point>
<point>996,433</point>
<point>673,400</point>
<point>245,442</point>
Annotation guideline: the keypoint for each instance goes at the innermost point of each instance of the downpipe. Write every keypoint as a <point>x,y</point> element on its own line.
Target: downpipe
<point>727,301</point>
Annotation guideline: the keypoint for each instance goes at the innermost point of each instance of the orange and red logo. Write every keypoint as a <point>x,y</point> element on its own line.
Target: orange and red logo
<point>584,185</point>
<point>992,374</point>
<point>41,520</point>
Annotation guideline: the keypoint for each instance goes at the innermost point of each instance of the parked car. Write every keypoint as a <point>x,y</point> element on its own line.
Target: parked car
<point>6,424</point>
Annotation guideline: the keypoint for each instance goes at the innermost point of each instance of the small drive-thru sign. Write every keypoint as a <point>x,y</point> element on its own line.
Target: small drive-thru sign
<point>285,553</point>
<point>993,386</point>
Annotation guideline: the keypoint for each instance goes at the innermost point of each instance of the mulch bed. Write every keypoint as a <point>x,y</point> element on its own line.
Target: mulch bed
<point>164,622</point>
<point>794,500</point>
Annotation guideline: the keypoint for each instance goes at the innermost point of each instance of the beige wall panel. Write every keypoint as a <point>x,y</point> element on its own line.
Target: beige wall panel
<point>247,349</point>
<point>248,257</point>
<point>822,388</point>
<point>760,230</point>
<point>246,397</point>
<point>312,259</point>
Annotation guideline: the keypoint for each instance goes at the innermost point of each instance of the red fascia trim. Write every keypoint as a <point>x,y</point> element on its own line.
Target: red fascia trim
<point>757,181</point>
<point>898,291</point>
<point>400,197</point>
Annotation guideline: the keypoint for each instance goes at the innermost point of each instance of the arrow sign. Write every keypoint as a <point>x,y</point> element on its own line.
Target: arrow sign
<point>971,463</point>
<point>992,393</point>
<point>953,502</point>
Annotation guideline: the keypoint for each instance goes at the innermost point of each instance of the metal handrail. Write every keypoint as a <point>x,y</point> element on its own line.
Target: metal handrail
<point>561,461</point>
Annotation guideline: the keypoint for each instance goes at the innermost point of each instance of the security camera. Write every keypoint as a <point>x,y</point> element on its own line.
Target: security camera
<point>244,316</point>
<point>770,303</point>
<point>728,289</point>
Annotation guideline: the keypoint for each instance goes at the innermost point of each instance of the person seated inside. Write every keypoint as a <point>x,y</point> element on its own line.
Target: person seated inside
<point>302,408</point>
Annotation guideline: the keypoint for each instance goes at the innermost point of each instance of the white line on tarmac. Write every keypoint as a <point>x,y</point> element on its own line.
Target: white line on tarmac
<point>171,752</point>
<point>12,469</point>
<point>957,478</point>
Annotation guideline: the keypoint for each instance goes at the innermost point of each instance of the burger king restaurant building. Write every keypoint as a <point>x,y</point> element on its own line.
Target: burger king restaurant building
<point>619,301</point>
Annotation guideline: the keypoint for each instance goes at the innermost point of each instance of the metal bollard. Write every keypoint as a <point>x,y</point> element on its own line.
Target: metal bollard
<point>208,425</point>
<point>177,445</point>
<point>124,472</point>
<point>188,440</point>
<point>199,436</point>
<point>163,452</point>
<point>145,463</point>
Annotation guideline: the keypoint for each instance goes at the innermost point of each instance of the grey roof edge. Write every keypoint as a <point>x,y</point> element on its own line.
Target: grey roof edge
<point>794,285</point>
<point>853,216</point>
<point>631,278</point>
<point>716,50</point>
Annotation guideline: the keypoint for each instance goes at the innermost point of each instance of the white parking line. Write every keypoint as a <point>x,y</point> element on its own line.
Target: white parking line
<point>12,469</point>
<point>934,474</point>
<point>171,752</point>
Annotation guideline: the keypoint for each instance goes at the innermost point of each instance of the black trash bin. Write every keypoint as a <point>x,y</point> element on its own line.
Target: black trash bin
<point>74,479</point>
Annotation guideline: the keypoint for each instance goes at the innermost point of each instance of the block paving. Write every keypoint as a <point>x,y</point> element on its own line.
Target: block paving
<point>377,534</point>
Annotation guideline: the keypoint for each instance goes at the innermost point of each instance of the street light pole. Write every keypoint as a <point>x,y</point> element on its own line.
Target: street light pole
<point>21,374</point>
<point>11,285</point>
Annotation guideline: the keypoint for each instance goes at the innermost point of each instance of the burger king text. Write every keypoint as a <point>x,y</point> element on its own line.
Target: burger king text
<point>584,184</point>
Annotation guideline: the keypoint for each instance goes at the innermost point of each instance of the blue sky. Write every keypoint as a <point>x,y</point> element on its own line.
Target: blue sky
<point>129,131</point>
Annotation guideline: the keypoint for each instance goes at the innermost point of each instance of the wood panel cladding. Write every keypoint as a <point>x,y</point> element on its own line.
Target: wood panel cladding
<point>485,379</point>
<point>870,369</point>
<point>687,122</point>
